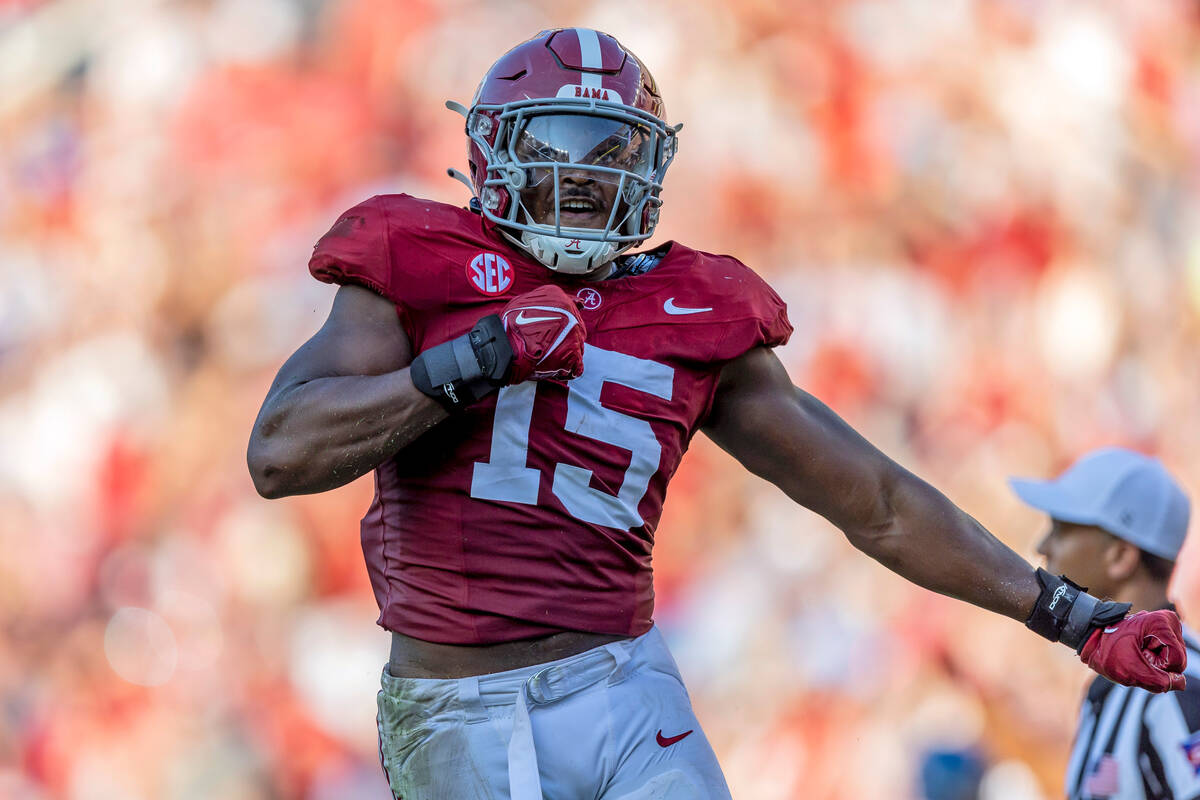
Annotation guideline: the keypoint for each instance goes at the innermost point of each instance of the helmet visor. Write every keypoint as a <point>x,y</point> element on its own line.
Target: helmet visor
<point>587,141</point>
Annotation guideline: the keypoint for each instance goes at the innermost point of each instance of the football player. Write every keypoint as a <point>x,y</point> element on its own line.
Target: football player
<point>524,388</point>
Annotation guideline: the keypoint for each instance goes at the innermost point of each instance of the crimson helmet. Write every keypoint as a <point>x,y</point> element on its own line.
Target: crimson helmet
<point>569,102</point>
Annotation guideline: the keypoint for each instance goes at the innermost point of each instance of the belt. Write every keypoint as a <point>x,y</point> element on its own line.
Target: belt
<point>545,687</point>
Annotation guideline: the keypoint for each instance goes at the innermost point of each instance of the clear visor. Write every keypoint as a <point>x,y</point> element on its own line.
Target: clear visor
<point>587,141</point>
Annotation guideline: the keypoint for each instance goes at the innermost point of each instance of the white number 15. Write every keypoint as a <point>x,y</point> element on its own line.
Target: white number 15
<point>506,477</point>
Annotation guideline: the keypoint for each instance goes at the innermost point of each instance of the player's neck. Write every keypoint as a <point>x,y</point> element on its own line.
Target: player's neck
<point>601,273</point>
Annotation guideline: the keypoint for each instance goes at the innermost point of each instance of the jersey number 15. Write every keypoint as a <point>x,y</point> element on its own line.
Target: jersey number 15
<point>505,476</point>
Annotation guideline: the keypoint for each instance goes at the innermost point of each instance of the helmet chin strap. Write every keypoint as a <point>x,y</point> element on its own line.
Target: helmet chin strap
<point>583,257</point>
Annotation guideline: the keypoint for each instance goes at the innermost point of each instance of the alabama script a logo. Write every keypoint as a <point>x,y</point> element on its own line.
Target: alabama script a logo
<point>589,298</point>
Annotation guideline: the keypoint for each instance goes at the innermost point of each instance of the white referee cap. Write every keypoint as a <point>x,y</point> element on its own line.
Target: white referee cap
<point>1130,495</point>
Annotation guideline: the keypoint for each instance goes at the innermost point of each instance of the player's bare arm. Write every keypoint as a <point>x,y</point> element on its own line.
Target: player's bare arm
<point>342,403</point>
<point>793,440</point>
<point>353,396</point>
<point>790,438</point>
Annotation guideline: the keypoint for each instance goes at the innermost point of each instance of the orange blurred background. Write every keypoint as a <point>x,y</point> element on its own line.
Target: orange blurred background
<point>982,213</point>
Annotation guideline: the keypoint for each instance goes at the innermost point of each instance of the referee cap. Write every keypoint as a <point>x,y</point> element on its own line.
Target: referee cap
<point>1130,495</point>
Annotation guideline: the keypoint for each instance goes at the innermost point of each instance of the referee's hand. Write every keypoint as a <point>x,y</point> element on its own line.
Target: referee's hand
<point>1144,650</point>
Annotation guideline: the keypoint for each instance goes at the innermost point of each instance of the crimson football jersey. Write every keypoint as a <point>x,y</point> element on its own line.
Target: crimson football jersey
<point>534,511</point>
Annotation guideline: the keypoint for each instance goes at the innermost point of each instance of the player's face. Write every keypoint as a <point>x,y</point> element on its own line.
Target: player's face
<point>1081,552</point>
<point>585,197</point>
<point>582,202</point>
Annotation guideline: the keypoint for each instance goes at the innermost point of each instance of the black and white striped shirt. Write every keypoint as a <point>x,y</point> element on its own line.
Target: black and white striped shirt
<point>1134,745</point>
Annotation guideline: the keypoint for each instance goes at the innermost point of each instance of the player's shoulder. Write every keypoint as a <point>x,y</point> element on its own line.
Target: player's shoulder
<point>406,212</point>
<point>383,215</point>
<point>392,216</point>
<point>363,243</point>
<point>723,279</point>
<point>713,266</point>
<point>723,282</point>
<point>716,296</point>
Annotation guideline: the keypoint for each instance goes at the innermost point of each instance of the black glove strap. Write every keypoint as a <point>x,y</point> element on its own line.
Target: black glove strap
<point>1066,613</point>
<point>463,371</point>
<point>1079,621</point>
<point>1104,613</point>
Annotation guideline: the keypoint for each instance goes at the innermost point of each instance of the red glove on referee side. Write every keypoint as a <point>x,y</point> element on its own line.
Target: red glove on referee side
<point>546,333</point>
<point>1144,650</point>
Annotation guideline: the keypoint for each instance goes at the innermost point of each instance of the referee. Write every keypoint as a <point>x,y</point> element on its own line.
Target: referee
<point>1117,521</point>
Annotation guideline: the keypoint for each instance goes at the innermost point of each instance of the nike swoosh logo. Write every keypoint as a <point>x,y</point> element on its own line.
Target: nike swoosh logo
<point>1111,630</point>
<point>522,319</point>
<point>671,308</point>
<point>667,741</point>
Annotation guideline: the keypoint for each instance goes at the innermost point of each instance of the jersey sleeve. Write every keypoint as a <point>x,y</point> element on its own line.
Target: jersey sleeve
<point>356,249</point>
<point>760,315</point>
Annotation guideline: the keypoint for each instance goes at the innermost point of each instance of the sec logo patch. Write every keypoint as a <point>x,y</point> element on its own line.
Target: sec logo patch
<point>490,273</point>
<point>588,298</point>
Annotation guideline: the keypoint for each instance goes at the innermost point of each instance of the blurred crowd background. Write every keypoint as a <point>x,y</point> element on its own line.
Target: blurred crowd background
<point>983,215</point>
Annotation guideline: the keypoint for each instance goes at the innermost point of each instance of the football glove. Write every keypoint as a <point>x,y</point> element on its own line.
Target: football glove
<point>1144,650</point>
<point>539,335</point>
<point>546,333</point>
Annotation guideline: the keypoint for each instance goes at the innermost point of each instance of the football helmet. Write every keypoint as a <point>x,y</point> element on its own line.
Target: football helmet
<point>568,148</point>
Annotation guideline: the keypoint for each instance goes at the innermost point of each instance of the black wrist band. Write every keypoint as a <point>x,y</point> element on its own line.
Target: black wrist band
<point>1053,606</point>
<point>1065,612</point>
<point>464,370</point>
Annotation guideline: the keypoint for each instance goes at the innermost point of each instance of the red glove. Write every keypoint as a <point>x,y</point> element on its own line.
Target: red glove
<point>1144,650</point>
<point>546,333</point>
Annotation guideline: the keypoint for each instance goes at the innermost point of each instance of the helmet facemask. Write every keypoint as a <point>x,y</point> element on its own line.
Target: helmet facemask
<point>573,181</point>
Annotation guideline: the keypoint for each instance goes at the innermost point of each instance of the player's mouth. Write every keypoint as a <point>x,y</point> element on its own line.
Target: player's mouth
<point>581,211</point>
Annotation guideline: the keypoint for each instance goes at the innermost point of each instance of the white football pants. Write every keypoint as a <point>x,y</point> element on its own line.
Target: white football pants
<point>611,723</point>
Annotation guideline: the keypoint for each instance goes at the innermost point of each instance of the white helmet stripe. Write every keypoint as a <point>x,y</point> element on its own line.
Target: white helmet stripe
<point>590,57</point>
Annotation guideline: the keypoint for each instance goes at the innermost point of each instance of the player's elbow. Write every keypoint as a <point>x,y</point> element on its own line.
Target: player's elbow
<point>876,528</point>
<point>268,470</point>
<point>266,478</point>
<point>879,542</point>
<point>893,533</point>
<point>268,487</point>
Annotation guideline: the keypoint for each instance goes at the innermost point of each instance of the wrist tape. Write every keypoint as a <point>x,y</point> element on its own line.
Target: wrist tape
<point>1065,612</point>
<point>463,371</point>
